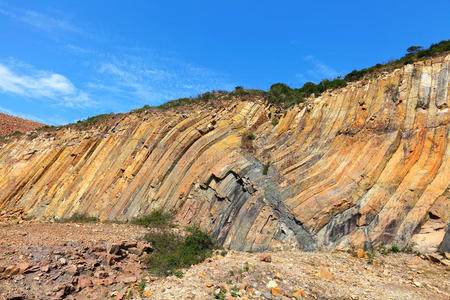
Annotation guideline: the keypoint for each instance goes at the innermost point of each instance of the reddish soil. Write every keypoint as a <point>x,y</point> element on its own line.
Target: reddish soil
<point>10,124</point>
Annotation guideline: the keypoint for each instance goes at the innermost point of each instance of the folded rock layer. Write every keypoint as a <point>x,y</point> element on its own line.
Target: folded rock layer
<point>367,164</point>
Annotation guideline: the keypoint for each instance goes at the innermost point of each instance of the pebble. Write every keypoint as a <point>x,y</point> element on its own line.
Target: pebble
<point>272,284</point>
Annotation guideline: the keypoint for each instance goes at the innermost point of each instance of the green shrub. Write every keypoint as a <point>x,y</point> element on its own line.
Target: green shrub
<point>171,252</point>
<point>274,122</point>
<point>79,218</point>
<point>251,136</point>
<point>395,249</point>
<point>283,94</point>
<point>157,218</point>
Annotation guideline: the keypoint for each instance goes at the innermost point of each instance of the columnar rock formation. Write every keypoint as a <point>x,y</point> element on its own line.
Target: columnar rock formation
<point>367,164</point>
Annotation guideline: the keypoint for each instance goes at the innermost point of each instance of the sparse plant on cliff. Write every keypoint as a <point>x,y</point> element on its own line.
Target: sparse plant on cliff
<point>266,168</point>
<point>392,92</point>
<point>247,141</point>
<point>251,136</point>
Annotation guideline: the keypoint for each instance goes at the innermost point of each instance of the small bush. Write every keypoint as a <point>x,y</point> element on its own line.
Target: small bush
<point>157,218</point>
<point>274,122</point>
<point>251,136</point>
<point>173,252</point>
<point>395,249</point>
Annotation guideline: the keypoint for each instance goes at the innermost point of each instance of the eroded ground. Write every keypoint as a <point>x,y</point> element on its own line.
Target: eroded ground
<point>103,261</point>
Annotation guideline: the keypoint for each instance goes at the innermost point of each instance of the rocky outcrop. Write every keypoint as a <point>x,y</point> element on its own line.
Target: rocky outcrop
<point>367,164</point>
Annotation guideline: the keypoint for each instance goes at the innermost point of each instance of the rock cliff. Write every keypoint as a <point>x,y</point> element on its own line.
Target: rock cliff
<point>368,164</point>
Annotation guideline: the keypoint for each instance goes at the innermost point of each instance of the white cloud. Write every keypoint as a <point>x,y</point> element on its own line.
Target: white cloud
<point>36,84</point>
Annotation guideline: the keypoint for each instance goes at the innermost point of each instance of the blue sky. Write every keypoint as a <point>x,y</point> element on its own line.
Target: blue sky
<point>62,61</point>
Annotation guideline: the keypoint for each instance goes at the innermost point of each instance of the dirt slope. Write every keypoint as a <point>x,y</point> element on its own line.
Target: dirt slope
<point>10,124</point>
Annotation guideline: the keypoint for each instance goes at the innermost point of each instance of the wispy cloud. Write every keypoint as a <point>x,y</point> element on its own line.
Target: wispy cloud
<point>153,79</point>
<point>42,21</point>
<point>28,82</point>
<point>317,71</point>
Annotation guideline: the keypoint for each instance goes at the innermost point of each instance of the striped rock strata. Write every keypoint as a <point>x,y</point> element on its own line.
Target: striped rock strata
<point>366,164</point>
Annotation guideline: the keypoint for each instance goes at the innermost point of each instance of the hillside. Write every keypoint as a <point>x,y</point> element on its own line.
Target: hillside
<point>366,164</point>
<point>10,124</point>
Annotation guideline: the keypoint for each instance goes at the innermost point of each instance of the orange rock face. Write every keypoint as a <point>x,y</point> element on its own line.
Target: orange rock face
<point>365,164</point>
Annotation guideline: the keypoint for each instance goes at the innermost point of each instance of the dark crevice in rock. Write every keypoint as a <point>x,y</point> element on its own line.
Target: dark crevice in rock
<point>273,197</point>
<point>445,244</point>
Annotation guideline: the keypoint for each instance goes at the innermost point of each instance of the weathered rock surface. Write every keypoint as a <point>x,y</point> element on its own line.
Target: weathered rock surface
<point>364,165</point>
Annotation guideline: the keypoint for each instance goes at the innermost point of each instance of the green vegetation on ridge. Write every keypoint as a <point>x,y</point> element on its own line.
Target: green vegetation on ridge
<point>282,94</point>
